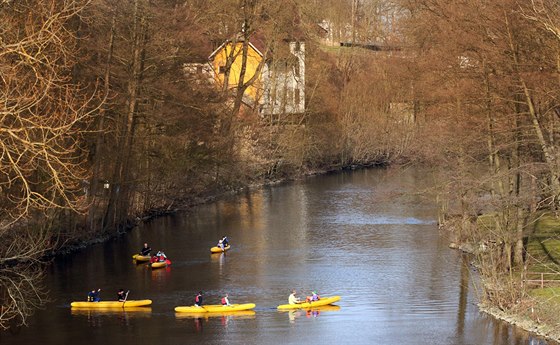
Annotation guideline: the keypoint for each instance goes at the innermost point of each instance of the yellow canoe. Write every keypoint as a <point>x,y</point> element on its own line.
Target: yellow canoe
<point>241,314</point>
<point>219,250</point>
<point>158,264</point>
<point>215,308</point>
<point>141,258</point>
<point>137,311</point>
<point>309,305</point>
<point>112,304</point>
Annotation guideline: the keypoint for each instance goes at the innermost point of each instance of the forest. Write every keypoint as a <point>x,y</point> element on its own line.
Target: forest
<point>117,111</point>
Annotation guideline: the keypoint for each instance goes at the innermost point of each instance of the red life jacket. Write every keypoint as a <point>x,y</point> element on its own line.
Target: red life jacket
<point>224,301</point>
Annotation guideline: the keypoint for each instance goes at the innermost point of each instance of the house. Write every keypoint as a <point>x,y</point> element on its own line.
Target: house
<point>277,75</point>
<point>284,81</point>
<point>232,52</point>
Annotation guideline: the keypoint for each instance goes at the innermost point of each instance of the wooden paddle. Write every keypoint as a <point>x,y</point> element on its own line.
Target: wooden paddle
<point>125,297</point>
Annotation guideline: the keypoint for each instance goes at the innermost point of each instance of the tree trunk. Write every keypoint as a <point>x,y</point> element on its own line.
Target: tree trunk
<point>521,215</point>
<point>94,184</point>
<point>118,202</point>
<point>547,150</point>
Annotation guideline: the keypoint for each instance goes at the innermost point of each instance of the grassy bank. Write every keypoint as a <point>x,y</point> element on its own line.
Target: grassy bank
<point>538,305</point>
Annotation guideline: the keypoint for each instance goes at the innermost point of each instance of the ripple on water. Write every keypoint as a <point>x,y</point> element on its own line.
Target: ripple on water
<point>369,219</point>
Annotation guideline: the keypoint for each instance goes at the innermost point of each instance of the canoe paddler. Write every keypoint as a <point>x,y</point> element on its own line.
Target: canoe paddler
<point>225,300</point>
<point>221,245</point>
<point>314,297</point>
<point>225,241</point>
<point>292,299</point>
<point>145,251</point>
<point>198,299</point>
<point>121,295</point>
<point>93,295</point>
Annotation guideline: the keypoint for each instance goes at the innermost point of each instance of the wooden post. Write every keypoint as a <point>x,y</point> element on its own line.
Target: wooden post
<point>542,280</point>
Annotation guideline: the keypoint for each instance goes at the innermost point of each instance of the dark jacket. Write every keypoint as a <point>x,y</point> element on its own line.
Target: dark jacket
<point>145,251</point>
<point>93,296</point>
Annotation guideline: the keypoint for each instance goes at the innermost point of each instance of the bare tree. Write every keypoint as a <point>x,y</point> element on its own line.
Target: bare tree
<point>42,113</point>
<point>43,166</point>
<point>22,293</point>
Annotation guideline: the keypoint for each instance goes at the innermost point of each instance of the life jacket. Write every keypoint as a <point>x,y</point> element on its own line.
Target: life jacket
<point>196,299</point>
<point>224,302</point>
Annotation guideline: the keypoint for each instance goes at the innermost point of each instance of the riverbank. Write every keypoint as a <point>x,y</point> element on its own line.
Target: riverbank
<point>518,319</point>
<point>540,329</point>
<point>535,310</point>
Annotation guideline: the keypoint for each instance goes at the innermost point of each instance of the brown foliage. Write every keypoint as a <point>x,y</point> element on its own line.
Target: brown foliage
<point>486,79</point>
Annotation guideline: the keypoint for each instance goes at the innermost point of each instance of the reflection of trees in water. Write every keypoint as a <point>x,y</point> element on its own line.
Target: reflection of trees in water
<point>21,293</point>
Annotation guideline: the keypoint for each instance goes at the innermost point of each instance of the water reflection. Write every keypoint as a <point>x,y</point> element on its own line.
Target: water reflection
<point>224,318</point>
<point>96,317</point>
<point>219,259</point>
<point>161,275</point>
<point>309,313</point>
<point>293,314</point>
<point>464,283</point>
<point>198,324</point>
<point>242,314</point>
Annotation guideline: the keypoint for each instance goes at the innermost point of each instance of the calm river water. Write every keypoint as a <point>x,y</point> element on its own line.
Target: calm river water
<point>357,234</point>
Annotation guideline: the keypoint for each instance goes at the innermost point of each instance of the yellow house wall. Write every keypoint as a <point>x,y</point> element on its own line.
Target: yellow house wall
<point>253,60</point>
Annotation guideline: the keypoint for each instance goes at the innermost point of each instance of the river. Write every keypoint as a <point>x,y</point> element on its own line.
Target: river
<point>364,235</point>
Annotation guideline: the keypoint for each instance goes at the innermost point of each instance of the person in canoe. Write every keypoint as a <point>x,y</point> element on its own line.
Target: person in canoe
<point>93,295</point>
<point>314,297</point>
<point>145,251</point>
<point>121,295</point>
<point>198,300</point>
<point>160,257</point>
<point>221,245</point>
<point>225,300</point>
<point>292,299</point>
<point>225,241</point>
